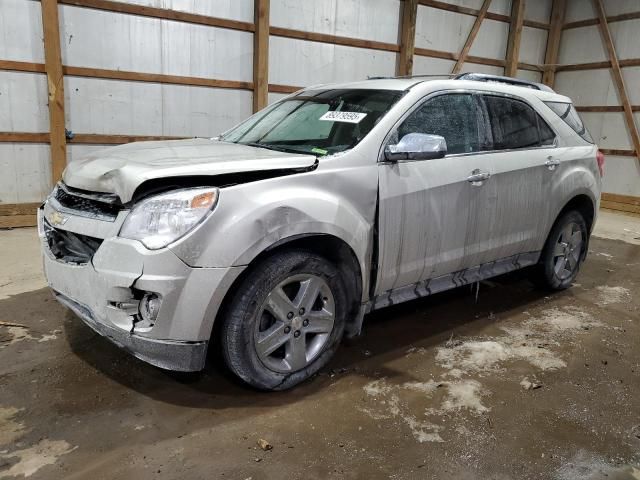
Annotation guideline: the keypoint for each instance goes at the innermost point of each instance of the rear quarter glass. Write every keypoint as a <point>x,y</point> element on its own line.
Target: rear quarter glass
<point>568,113</point>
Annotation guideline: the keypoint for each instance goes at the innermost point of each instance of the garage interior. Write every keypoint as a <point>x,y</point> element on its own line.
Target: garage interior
<point>443,387</point>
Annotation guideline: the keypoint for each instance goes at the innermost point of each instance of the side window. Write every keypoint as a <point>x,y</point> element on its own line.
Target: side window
<point>452,116</point>
<point>514,124</point>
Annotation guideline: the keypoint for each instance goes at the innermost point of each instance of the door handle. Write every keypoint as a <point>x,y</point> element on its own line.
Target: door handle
<point>477,177</point>
<point>552,163</point>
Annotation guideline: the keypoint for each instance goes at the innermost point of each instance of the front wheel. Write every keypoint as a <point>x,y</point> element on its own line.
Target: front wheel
<point>564,252</point>
<point>285,321</point>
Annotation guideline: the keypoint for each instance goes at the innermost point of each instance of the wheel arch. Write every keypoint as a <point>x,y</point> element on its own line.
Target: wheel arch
<point>333,248</point>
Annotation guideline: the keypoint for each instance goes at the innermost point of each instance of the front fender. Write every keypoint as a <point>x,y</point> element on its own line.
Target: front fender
<point>252,217</point>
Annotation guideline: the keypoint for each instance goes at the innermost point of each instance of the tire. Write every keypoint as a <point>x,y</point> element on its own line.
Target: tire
<point>291,302</point>
<point>563,252</point>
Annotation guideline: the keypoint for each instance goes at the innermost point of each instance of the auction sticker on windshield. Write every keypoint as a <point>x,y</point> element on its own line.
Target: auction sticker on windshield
<point>349,117</point>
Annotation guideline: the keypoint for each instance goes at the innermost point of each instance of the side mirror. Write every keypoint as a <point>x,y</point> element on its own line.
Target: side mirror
<point>417,146</point>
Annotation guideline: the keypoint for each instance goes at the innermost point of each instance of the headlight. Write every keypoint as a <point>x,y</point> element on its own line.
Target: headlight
<point>159,220</point>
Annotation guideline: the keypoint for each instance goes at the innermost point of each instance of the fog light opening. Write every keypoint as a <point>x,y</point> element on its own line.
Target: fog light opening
<point>148,309</point>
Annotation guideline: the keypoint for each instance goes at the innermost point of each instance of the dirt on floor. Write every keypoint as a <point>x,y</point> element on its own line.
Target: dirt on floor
<point>519,384</point>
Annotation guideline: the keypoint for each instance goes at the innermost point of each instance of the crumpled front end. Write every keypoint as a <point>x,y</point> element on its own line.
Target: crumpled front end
<point>150,303</point>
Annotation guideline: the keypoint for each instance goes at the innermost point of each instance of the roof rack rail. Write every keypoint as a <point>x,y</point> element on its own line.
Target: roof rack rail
<point>427,75</point>
<point>485,77</point>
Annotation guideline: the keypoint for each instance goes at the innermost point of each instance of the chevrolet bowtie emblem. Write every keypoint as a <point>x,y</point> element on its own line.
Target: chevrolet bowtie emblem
<point>57,219</point>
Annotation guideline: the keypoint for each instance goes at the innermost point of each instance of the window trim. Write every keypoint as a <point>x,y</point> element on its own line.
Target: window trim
<point>485,123</point>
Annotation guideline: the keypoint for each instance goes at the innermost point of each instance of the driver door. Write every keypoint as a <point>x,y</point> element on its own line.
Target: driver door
<point>425,205</point>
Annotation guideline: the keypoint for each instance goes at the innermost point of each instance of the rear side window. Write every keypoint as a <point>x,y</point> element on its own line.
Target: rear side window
<point>452,116</point>
<point>568,113</point>
<point>514,124</point>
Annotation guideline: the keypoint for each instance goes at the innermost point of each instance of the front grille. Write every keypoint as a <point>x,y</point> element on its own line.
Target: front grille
<point>87,204</point>
<point>70,247</point>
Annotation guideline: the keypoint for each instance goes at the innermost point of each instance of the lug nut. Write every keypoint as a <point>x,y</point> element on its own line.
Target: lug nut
<point>301,311</point>
<point>296,333</point>
<point>290,315</point>
<point>287,329</point>
<point>305,322</point>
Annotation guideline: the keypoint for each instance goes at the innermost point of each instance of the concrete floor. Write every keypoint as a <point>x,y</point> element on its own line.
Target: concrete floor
<point>520,385</point>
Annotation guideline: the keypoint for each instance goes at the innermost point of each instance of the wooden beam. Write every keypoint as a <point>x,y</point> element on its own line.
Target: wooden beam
<point>24,137</point>
<point>427,52</point>
<point>275,88</point>
<point>553,41</point>
<point>261,55</point>
<point>617,76</point>
<point>605,108</point>
<point>163,13</point>
<point>515,34</point>
<point>100,139</point>
<point>155,78</point>
<point>333,39</point>
<point>14,221</point>
<point>595,21</point>
<point>55,84</point>
<point>618,153</point>
<point>574,67</point>
<point>18,209</point>
<point>407,37</point>
<point>471,37</point>
<point>11,65</point>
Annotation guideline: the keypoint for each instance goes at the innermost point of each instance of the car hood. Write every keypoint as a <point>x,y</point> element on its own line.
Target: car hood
<point>122,169</point>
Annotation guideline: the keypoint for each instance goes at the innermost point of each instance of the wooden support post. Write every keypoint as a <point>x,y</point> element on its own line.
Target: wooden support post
<point>553,42</point>
<point>261,55</point>
<point>617,76</point>
<point>472,36</point>
<point>515,33</point>
<point>407,37</point>
<point>55,85</point>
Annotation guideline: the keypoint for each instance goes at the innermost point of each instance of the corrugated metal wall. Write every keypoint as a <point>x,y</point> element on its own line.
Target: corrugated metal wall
<point>596,87</point>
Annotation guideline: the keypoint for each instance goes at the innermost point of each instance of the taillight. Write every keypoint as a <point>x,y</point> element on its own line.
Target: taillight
<point>600,160</point>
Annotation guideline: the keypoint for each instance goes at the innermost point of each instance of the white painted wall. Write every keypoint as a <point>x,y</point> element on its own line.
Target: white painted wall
<point>596,87</point>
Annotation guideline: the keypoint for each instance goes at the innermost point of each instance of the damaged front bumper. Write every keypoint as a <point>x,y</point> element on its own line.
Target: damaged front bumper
<point>105,291</point>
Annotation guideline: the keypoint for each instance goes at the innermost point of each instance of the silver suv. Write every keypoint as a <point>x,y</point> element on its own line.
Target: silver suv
<point>274,240</point>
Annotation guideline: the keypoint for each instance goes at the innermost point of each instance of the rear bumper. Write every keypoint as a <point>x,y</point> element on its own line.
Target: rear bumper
<point>168,354</point>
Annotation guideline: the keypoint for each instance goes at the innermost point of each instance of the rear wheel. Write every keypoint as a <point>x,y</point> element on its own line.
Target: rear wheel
<point>564,252</point>
<point>285,321</point>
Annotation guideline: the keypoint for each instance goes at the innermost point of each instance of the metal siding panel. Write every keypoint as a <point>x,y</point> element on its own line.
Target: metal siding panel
<point>538,10</point>
<point>302,63</point>
<point>491,41</point>
<point>21,31</point>
<point>76,152</point>
<point>632,81</point>
<point>274,97</point>
<point>442,30</point>
<point>620,7</point>
<point>116,41</point>
<point>529,75</point>
<point>475,67</point>
<point>136,108</point>
<point>592,87</point>
<point>233,9</point>
<point>621,176</point>
<point>23,102</point>
<point>626,36</point>
<point>608,130</point>
<point>533,45</point>
<point>429,66</point>
<point>371,19</point>
<point>582,45</point>
<point>26,172</point>
<point>579,10</point>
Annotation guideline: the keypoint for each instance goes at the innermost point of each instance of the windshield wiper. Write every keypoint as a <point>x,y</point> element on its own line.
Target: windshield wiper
<point>271,147</point>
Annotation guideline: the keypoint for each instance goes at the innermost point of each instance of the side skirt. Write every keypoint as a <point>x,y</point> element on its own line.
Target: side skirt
<point>452,280</point>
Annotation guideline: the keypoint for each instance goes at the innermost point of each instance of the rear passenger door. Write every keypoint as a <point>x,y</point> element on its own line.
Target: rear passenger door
<point>514,210</point>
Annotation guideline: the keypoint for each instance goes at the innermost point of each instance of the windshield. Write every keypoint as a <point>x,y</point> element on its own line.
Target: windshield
<point>321,122</point>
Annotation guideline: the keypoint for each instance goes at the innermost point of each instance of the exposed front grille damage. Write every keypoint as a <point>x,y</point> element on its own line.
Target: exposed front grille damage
<point>70,247</point>
<point>88,204</point>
